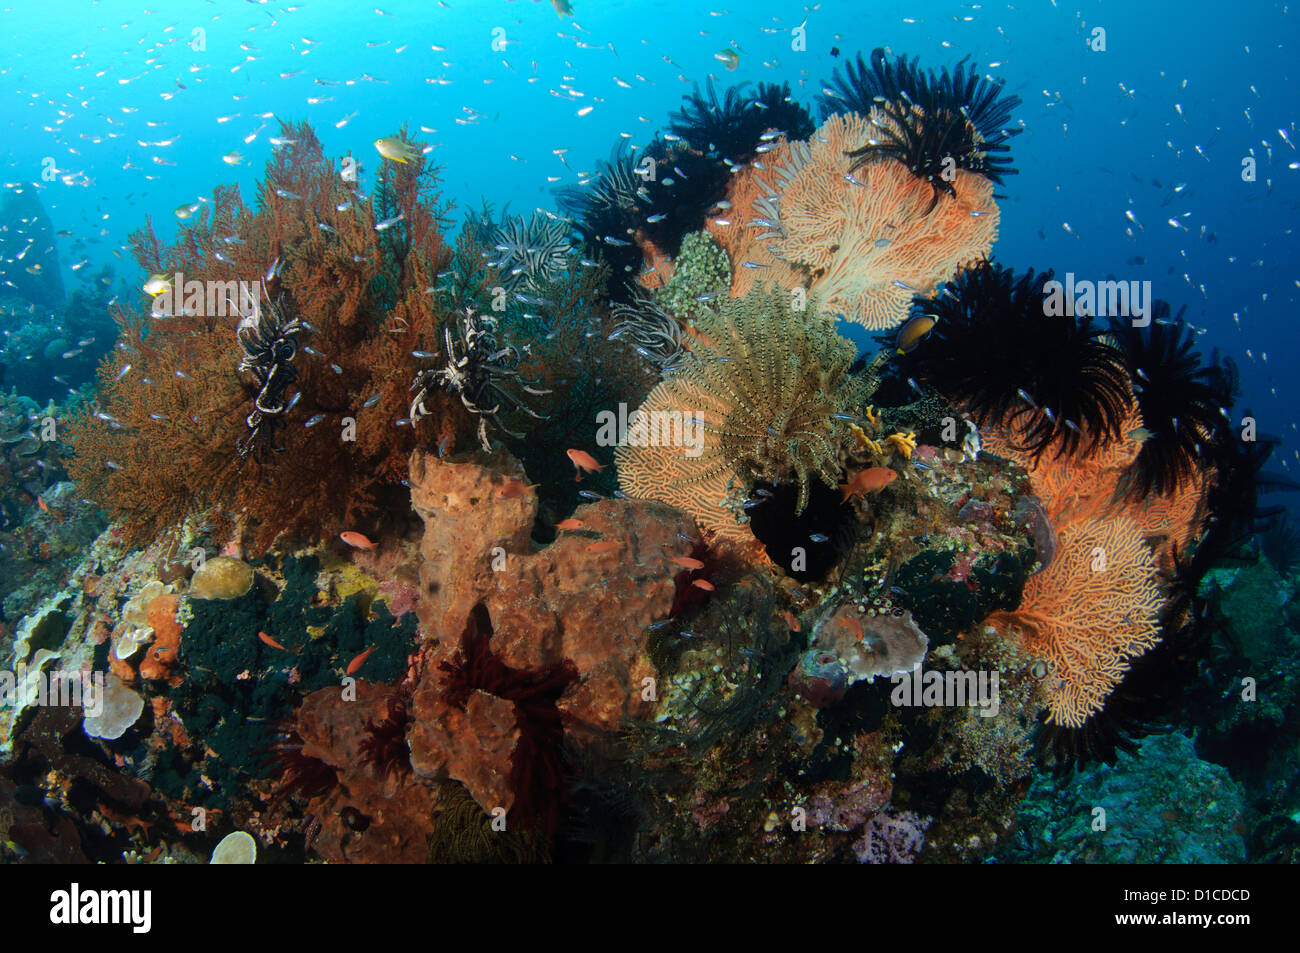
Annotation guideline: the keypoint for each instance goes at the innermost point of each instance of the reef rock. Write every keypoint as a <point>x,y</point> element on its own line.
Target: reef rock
<point>586,599</point>
<point>1164,805</point>
<point>161,657</point>
<point>391,817</point>
<point>472,746</point>
<point>867,646</point>
<point>564,601</point>
<point>221,577</point>
<point>468,524</point>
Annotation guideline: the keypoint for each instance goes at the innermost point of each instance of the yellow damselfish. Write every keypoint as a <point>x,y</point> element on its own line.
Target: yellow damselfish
<point>396,150</point>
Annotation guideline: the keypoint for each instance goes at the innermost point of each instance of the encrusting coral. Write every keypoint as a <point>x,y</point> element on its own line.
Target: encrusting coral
<point>171,416</point>
<point>700,274</point>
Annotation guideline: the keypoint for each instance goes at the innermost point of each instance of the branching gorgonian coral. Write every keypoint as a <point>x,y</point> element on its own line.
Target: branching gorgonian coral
<point>870,240</point>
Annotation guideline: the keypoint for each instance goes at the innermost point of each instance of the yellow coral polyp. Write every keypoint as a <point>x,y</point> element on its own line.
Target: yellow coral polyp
<point>873,418</point>
<point>904,443</point>
<point>865,442</point>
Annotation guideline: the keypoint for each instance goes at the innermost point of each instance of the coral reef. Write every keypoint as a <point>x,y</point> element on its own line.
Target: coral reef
<point>1162,804</point>
<point>371,590</point>
<point>1094,608</point>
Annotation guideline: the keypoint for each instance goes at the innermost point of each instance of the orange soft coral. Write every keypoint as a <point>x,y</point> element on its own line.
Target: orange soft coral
<point>1088,485</point>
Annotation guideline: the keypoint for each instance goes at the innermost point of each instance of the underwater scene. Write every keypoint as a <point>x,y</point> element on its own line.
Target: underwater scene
<point>562,431</point>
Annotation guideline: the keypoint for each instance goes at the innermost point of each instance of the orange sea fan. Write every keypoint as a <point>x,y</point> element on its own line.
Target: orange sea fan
<point>870,238</point>
<point>740,238</point>
<point>1073,487</point>
<point>1094,608</point>
<point>659,265</point>
<point>1086,486</point>
<point>760,388</point>
<point>667,474</point>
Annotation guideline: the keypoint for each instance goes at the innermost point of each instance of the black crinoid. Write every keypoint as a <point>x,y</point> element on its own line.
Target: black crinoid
<point>481,371</point>
<point>1052,379</point>
<point>681,185</point>
<point>710,139</point>
<point>1232,497</point>
<point>268,339</point>
<point>608,209</point>
<point>528,252</point>
<point>733,128</point>
<point>1184,401</point>
<point>936,123</point>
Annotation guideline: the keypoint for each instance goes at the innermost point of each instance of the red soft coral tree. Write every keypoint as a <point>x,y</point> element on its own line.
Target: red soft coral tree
<point>161,444</point>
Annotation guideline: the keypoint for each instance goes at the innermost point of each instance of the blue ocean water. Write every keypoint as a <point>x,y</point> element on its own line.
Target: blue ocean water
<point>1130,163</point>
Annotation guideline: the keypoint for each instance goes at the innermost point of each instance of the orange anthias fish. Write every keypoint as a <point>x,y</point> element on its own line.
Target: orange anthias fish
<point>356,540</point>
<point>791,621</point>
<point>602,547</point>
<point>359,661</point>
<point>570,523</point>
<point>583,462</point>
<point>271,642</point>
<point>516,489</point>
<point>686,562</point>
<point>866,481</point>
<point>703,584</point>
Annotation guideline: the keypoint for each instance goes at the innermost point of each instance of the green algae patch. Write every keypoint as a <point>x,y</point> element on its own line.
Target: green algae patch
<point>238,687</point>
